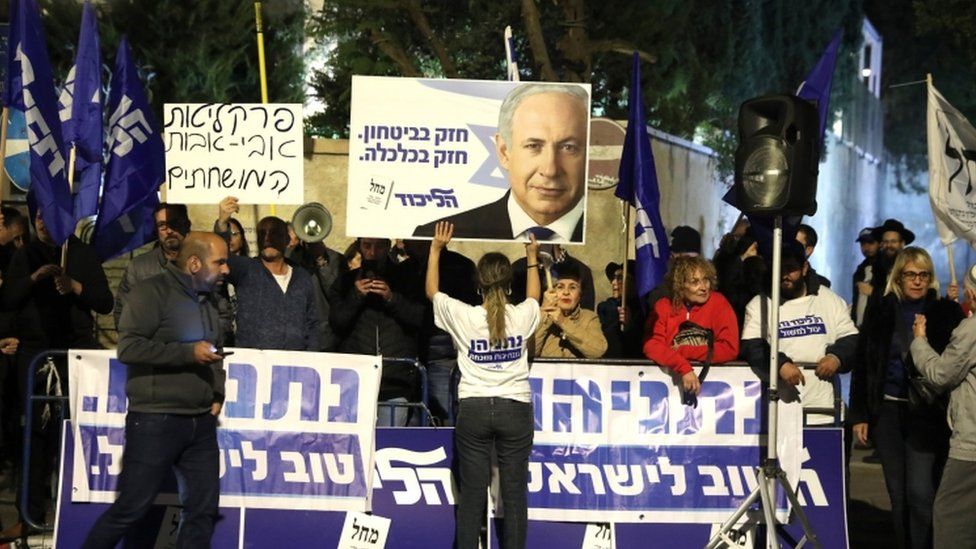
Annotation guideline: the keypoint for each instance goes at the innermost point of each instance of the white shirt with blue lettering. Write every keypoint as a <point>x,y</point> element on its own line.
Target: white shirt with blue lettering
<point>486,371</point>
<point>807,325</point>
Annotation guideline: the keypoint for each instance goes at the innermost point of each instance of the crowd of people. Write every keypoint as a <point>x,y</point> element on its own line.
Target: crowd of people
<point>419,300</point>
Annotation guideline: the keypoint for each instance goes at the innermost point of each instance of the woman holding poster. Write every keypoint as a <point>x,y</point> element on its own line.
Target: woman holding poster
<point>495,401</point>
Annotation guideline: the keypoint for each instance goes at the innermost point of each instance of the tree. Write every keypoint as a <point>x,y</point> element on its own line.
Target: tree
<point>702,57</point>
<point>190,50</point>
<point>940,43</point>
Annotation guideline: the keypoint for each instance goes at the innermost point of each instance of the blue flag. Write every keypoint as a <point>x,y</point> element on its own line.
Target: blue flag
<point>816,86</point>
<point>638,186</point>
<point>30,89</point>
<point>135,168</point>
<point>81,119</point>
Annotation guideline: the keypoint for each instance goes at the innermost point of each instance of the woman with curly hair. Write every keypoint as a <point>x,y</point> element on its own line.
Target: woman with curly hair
<point>680,323</point>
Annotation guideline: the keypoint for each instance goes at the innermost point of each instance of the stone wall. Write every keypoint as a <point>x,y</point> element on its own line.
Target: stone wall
<point>690,193</point>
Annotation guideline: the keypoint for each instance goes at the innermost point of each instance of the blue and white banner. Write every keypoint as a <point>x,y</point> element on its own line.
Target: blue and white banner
<point>296,430</point>
<point>615,443</point>
<point>446,158</point>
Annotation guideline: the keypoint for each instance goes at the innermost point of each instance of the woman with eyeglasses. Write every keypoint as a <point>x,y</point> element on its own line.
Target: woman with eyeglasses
<point>892,405</point>
<point>238,240</point>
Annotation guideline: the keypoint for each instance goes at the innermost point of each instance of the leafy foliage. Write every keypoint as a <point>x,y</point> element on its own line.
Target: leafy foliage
<point>190,50</point>
<point>942,45</point>
<point>708,56</point>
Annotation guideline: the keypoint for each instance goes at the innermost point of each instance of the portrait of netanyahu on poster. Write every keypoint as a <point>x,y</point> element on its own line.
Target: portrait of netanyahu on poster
<point>499,160</point>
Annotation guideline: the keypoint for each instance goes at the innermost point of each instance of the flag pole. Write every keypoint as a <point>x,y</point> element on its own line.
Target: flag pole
<point>3,153</point>
<point>948,247</point>
<point>623,282</point>
<point>71,185</point>
<point>263,72</point>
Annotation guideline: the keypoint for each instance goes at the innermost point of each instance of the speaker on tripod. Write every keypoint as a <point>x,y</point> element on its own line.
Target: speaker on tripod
<point>776,164</point>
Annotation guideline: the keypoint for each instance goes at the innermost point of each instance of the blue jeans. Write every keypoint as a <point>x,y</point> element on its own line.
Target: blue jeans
<point>442,385</point>
<point>913,451</point>
<point>507,425</point>
<point>156,444</point>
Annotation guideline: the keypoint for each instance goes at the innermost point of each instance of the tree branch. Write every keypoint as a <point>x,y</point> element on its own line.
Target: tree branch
<point>412,7</point>
<point>574,43</point>
<point>394,52</point>
<point>537,42</point>
<point>621,46</point>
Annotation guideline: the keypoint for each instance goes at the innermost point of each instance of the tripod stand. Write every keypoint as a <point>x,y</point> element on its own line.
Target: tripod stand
<point>770,474</point>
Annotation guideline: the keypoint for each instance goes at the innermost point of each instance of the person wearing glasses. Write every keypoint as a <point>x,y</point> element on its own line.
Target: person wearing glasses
<point>891,404</point>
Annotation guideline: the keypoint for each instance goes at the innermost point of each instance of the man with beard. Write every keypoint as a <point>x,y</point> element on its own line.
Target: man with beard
<point>277,305</point>
<point>169,342</point>
<point>54,309</point>
<point>814,327</point>
<point>893,237</point>
<point>172,225</point>
<point>864,274</point>
<point>13,230</point>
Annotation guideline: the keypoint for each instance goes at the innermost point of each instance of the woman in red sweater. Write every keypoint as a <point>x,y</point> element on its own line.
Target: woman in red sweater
<point>674,324</point>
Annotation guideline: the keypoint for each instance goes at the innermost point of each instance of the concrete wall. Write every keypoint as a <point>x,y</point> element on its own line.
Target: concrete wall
<point>690,191</point>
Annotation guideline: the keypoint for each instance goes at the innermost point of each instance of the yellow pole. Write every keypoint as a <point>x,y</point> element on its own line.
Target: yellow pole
<point>259,27</point>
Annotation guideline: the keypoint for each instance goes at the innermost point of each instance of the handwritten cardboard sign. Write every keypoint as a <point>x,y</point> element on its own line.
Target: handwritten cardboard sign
<point>251,151</point>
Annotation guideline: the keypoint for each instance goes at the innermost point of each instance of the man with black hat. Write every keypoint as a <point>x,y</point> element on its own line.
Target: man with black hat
<point>172,225</point>
<point>863,274</point>
<point>277,305</point>
<point>893,237</point>
<point>814,327</point>
<point>623,325</point>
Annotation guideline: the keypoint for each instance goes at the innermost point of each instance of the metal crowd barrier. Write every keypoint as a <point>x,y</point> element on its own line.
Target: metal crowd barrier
<point>421,407</point>
<point>29,403</point>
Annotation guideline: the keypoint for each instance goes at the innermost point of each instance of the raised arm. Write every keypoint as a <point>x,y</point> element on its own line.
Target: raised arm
<point>226,209</point>
<point>442,236</point>
<point>533,288</point>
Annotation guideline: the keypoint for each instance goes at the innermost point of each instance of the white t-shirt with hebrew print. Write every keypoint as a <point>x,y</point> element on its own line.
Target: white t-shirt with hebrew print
<point>807,325</point>
<point>486,371</point>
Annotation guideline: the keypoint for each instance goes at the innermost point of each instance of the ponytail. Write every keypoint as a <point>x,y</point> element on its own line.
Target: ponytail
<point>494,278</point>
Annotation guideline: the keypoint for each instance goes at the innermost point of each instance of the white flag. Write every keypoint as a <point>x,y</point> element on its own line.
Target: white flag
<point>952,170</point>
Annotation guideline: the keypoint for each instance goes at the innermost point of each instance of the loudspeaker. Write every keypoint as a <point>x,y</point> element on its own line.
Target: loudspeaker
<point>312,222</point>
<point>777,162</point>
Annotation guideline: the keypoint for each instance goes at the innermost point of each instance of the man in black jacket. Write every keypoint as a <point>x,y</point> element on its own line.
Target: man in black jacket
<point>378,310</point>
<point>54,309</point>
<point>169,340</point>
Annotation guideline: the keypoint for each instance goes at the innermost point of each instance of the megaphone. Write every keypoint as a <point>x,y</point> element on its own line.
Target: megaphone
<point>312,222</point>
